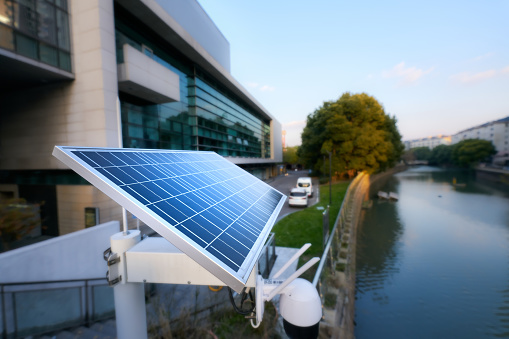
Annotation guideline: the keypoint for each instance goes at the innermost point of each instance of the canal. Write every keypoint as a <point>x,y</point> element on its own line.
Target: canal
<point>434,264</point>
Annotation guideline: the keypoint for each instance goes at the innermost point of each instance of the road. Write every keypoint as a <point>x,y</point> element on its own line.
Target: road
<point>285,183</point>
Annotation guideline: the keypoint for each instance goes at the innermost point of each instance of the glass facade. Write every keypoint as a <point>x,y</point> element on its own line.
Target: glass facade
<point>37,29</point>
<point>208,116</point>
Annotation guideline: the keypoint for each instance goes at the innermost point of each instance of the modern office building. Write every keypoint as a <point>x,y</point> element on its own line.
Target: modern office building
<point>495,131</point>
<point>116,73</point>
<point>430,142</point>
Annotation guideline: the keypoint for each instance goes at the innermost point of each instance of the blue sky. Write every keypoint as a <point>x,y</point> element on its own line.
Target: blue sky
<point>438,66</point>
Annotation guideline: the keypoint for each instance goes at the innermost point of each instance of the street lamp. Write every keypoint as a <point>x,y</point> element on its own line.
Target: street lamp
<point>330,175</point>
<point>330,178</point>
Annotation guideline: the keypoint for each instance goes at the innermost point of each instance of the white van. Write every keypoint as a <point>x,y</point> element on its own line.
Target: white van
<point>306,183</point>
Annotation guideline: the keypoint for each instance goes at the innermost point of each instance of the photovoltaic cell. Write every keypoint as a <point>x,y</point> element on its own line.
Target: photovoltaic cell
<point>219,214</point>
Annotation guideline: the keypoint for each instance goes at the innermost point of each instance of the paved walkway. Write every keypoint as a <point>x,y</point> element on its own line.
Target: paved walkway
<point>284,184</point>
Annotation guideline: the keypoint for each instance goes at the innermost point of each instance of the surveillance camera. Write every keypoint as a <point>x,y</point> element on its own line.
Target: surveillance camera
<point>301,309</point>
<point>299,304</point>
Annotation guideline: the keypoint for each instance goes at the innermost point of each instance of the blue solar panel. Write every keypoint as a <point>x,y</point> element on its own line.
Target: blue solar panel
<point>214,211</point>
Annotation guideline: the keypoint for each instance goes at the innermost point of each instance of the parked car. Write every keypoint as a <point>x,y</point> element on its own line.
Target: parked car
<point>307,184</point>
<point>298,197</point>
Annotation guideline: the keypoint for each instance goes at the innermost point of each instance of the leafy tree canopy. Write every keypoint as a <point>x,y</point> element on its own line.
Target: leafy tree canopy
<point>356,130</point>
<point>463,154</point>
<point>421,153</point>
<point>441,155</point>
<point>471,151</point>
<point>290,155</point>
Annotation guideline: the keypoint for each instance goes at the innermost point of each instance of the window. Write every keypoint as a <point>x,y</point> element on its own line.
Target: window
<point>46,25</point>
<point>6,12</point>
<point>6,38</point>
<point>37,29</point>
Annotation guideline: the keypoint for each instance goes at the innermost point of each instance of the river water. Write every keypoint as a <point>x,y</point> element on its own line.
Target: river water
<point>435,264</point>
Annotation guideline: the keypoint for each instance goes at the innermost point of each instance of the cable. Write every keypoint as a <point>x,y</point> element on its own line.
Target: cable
<point>215,289</point>
<point>243,298</point>
<point>257,323</point>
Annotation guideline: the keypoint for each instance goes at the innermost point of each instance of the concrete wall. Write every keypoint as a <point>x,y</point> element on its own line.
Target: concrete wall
<point>79,113</point>
<point>72,200</point>
<point>276,141</point>
<point>95,87</point>
<point>73,256</point>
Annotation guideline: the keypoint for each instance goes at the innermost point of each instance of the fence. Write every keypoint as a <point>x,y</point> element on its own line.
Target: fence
<point>333,270</point>
<point>267,257</point>
<point>41,307</point>
<point>33,308</point>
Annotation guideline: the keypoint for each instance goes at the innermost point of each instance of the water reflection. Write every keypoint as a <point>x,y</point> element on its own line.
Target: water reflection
<point>377,258</point>
<point>436,262</point>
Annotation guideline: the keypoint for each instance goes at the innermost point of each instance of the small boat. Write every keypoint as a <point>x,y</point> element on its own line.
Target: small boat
<point>393,196</point>
<point>383,195</point>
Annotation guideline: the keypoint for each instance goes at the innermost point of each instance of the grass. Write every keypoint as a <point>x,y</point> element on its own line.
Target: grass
<point>221,322</point>
<point>305,226</point>
<point>228,324</point>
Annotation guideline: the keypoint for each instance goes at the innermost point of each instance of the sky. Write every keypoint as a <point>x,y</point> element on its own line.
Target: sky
<point>439,67</point>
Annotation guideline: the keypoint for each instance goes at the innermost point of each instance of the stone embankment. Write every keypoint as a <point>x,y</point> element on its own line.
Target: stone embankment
<point>336,282</point>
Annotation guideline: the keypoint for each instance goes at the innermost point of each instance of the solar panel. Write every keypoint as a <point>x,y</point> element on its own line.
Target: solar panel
<point>212,210</point>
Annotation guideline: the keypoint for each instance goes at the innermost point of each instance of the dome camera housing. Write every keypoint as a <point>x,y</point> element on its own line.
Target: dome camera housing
<point>301,309</point>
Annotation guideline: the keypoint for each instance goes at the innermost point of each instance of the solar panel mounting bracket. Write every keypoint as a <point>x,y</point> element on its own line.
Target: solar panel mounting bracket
<point>155,260</point>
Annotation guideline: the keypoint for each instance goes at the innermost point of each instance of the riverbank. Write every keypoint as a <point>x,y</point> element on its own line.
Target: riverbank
<point>339,322</point>
<point>497,175</point>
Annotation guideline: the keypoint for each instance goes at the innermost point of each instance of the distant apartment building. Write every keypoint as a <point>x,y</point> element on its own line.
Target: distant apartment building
<point>495,131</point>
<point>117,73</point>
<point>430,142</point>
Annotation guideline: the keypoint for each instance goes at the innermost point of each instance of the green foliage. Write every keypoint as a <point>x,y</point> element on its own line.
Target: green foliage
<point>17,219</point>
<point>356,130</point>
<point>305,226</point>
<point>441,155</point>
<point>396,146</point>
<point>463,154</point>
<point>421,153</point>
<point>290,155</point>
<point>222,322</point>
<point>471,151</point>
<point>408,156</point>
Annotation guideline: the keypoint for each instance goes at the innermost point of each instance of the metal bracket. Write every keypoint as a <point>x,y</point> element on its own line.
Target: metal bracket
<point>112,275</point>
<point>114,281</point>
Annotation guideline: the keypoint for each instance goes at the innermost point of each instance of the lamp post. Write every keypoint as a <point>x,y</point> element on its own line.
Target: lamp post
<point>330,178</point>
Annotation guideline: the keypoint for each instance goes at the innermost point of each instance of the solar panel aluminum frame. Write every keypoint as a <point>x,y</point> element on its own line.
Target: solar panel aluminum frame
<point>236,280</point>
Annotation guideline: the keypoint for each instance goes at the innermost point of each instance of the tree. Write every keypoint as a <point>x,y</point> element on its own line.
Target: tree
<point>396,146</point>
<point>356,130</point>
<point>421,153</point>
<point>408,156</point>
<point>441,155</point>
<point>290,155</point>
<point>471,151</point>
<point>17,219</point>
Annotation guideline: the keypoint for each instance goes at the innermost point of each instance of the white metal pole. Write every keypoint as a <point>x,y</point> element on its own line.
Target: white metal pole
<point>121,145</point>
<point>130,312</point>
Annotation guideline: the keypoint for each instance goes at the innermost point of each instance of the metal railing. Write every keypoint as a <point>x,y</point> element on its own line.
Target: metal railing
<point>335,254</point>
<point>267,257</point>
<point>32,308</point>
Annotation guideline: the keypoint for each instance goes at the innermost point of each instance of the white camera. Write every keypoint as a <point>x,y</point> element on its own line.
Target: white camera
<point>299,304</point>
<point>301,309</point>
